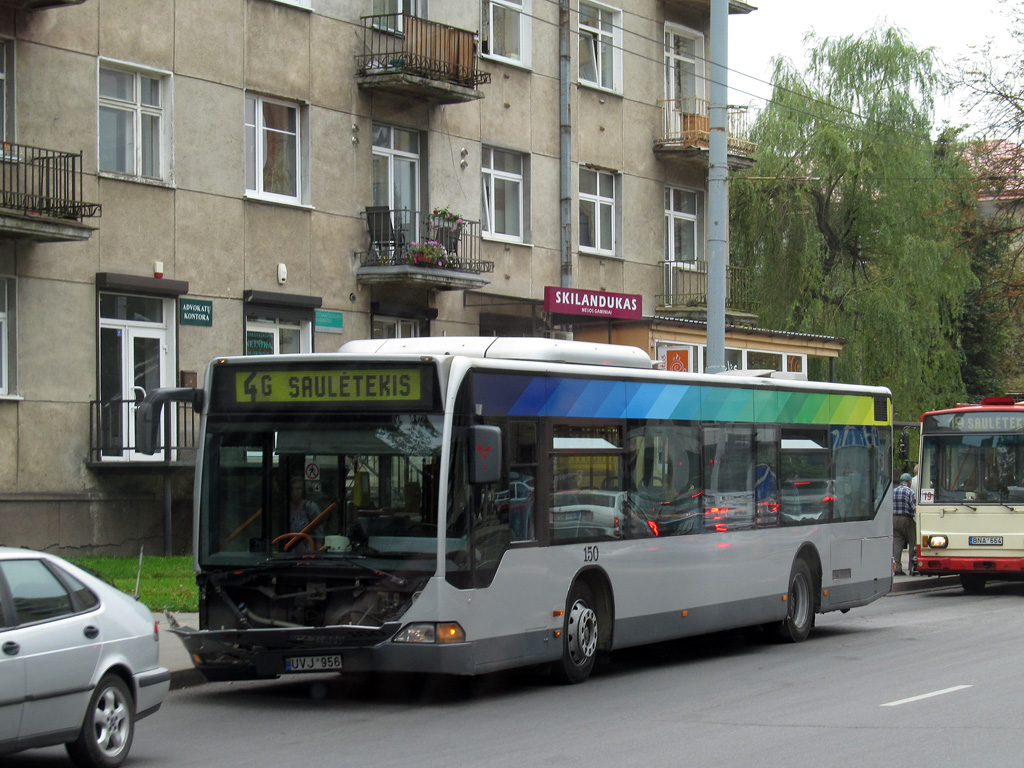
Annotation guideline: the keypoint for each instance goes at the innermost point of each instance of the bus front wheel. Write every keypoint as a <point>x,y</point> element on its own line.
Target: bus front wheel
<point>799,604</point>
<point>972,583</point>
<point>579,636</point>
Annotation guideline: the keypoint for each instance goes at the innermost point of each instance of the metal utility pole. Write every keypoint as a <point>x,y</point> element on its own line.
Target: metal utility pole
<point>565,144</point>
<point>718,186</point>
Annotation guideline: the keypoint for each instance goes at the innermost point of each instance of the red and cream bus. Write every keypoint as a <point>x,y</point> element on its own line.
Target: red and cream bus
<point>970,515</point>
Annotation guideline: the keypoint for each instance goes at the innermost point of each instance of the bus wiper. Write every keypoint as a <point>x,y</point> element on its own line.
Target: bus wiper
<point>355,559</point>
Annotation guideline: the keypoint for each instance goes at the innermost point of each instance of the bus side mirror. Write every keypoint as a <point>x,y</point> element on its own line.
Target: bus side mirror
<point>904,449</point>
<point>147,414</point>
<point>485,454</point>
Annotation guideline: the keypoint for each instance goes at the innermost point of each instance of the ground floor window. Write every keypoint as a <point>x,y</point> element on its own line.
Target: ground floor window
<point>274,336</point>
<point>398,327</point>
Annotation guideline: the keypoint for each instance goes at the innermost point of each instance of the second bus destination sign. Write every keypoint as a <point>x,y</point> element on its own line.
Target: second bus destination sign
<point>353,387</point>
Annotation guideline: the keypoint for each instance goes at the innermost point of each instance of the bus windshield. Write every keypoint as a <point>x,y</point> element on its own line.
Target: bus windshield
<point>975,467</point>
<point>334,484</point>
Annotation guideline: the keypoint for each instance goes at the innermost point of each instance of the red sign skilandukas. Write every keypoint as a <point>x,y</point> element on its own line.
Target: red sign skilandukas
<point>576,301</point>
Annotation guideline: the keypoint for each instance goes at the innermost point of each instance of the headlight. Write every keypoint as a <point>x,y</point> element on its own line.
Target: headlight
<point>936,542</point>
<point>439,633</point>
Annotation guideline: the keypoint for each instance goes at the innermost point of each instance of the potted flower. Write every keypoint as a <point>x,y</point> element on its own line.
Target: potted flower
<point>429,253</point>
<point>446,227</point>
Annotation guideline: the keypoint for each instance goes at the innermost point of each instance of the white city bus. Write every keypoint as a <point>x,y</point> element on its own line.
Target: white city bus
<point>487,503</point>
<point>970,517</point>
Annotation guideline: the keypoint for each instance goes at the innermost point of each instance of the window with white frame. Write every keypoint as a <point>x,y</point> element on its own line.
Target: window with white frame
<point>600,46</point>
<point>684,230</point>
<point>396,327</point>
<point>133,122</point>
<point>597,211</point>
<point>274,149</point>
<point>683,60</point>
<point>505,30</point>
<point>6,335</point>
<point>503,176</point>
<point>7,89</point>
<point>277,336</point>
<point>307,4</point>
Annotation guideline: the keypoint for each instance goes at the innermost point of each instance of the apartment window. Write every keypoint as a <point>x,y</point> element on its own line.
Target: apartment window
<point>390,13</point>
<point>273,149</point>
<point>6,335</point>
<point>132,122</point>
<point>597,211</point>
<point>7,89</point>
<point>600,30</point>
<point>684,236</point>
<point>684,52</point>
<point>395,178</point>
<point>505,30</point>
<point>503,175</point>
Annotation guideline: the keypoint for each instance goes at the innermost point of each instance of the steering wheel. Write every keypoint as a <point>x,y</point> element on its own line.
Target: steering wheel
<point>293,539</point>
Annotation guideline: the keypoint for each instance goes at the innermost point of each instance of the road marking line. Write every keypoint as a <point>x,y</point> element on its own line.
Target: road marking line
<point>925,696</point>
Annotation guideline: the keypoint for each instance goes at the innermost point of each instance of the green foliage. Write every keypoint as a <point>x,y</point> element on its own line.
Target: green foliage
<point>167,582</point>
<point>851,219</point>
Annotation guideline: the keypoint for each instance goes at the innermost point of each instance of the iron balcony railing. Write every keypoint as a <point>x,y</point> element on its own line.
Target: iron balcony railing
<point>397,43</point>
<point>43,182</point>
<point>687,124</point>
<point>401,237</point>
<point>112,435</point>
<point>686,287</point>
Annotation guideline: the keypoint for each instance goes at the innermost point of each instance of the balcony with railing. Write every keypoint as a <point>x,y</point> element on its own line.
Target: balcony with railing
<point>686,289</point>
<point>686,132</point>
<point>39,5</point>
<point>409,56</point>
<point>41,195</point>
<point>112,436</point>
<point>436,251</point>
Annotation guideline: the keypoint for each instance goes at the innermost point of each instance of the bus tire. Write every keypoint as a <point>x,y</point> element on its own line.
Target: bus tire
<point>972,583</point>
<point>579,636</point>
<point>799,604</point>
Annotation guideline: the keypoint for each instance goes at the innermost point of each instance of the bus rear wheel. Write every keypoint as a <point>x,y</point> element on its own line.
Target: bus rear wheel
<point>972,583</point>
<point>579,637</point>
<point>799,605</point>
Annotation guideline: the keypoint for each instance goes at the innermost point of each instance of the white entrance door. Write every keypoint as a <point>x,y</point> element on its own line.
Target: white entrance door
<point>134,360</point>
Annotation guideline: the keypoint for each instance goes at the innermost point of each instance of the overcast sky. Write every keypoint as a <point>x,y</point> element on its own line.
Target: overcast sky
<point>779,26</point>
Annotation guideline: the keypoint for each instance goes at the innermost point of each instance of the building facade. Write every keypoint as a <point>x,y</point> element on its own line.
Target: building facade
<point>193,178</point>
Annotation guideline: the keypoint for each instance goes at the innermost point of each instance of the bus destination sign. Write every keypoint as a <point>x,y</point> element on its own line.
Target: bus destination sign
<point>979,421</point>
<point>344,388</point>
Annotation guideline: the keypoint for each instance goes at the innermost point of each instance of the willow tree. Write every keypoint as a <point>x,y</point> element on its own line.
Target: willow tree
<point>850,220</point>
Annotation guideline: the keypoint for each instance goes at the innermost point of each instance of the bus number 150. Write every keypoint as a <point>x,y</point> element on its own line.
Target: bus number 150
<point>590,554</point>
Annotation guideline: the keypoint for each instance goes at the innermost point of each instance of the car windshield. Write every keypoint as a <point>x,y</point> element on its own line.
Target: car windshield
<point>325,486</point>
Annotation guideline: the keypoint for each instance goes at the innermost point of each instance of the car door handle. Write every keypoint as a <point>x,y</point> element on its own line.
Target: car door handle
<point>91,632</point>
<point>11,648</point>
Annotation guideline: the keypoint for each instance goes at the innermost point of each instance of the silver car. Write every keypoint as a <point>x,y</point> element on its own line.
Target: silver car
<point>79,660</point>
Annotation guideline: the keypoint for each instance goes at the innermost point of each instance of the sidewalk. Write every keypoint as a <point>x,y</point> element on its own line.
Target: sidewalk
<point>184,675</point>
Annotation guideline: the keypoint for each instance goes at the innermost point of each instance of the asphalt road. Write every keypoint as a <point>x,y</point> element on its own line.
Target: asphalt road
<point>919,678</point>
